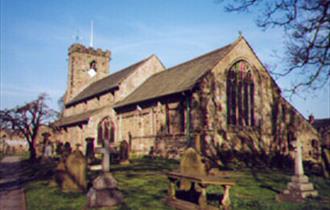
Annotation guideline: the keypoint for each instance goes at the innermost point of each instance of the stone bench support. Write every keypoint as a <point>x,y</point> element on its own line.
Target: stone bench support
<point>203,182</point>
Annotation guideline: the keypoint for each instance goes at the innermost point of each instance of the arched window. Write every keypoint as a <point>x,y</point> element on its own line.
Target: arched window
<point>240,95</point>
<point>105,131</point>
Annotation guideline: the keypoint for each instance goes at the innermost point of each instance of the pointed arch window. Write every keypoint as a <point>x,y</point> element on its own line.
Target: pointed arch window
<point>105,131</point>
<point>240,95</point>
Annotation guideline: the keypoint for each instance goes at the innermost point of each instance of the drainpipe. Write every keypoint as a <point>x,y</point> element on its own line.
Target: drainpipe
<point>188,122</point>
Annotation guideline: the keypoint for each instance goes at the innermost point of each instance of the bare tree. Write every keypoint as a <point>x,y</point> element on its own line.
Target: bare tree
<point>27,120</point>
<point>307,26</point>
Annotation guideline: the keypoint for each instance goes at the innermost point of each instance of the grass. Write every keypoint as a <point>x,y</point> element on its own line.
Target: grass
<point>144,186</point>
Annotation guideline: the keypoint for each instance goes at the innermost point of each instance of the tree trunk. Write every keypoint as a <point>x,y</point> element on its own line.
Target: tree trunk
<point>32,150</point>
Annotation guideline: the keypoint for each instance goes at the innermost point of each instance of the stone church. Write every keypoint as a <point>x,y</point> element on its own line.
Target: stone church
<point>227,96</point>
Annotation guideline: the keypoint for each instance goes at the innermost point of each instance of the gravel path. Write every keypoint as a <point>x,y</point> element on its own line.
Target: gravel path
<point>12,196</point>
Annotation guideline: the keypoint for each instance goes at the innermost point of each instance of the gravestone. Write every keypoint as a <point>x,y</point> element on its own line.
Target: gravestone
<point>104,192</point>
<point>71,172</point>
<point>299,188</point>
<point>191,164</point>
<point>90,154</point>
<point>124,152</point>
<point>66,150</point>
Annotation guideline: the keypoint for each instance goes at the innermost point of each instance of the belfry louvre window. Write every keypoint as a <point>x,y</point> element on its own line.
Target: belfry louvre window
<point>240,95</point>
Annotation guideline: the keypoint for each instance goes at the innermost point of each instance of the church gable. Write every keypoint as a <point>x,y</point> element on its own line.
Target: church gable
<point>152,65</point>
<point>239,98</point>
<point>264,85</point>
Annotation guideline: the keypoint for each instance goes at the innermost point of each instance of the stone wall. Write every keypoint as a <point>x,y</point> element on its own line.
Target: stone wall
<point>90,104</point>
<point>154,125</point>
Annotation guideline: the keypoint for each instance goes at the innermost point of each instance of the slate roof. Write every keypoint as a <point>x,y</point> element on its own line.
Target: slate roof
<point>106,84</point>
<point>176,79</point>
<point>75,119</point>
<point>321,123</point>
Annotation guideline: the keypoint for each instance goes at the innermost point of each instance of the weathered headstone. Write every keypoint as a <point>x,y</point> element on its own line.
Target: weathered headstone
<point>71,173</point>
<point>124,152</point>
<point>299,188</point>
<point>191,164</point>
<point>90,153</point>
<point>106,158</point>
<point>67,150</point>
<point>104,192</point>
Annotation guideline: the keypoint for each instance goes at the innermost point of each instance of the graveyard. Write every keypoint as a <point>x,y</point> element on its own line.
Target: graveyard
<point>165,105</point>
<point>143,183</point>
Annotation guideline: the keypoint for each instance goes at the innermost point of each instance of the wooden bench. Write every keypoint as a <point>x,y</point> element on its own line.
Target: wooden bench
<point>202,182</point>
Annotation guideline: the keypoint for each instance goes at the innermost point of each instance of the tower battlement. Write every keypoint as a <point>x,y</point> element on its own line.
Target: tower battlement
<point>79,48</point>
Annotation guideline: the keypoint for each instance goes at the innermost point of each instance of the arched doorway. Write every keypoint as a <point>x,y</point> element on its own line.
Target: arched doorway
<point>105,131</point>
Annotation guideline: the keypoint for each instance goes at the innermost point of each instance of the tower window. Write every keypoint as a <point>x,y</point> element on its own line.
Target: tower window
<point>92,69</point>
<point>92,65</point>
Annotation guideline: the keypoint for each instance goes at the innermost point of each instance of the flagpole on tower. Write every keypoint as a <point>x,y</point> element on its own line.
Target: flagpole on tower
<point>91,40</point>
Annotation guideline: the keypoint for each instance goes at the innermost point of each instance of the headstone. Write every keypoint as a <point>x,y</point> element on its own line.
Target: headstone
<point>67,150</point>
<point>90,153</point>
<point>71,172</point>
<point>46,146</point>
<point>104,192</point>
<point>105,159</point>
<point>124,152</point>
<point>191,164</point>
<point>299,188</point>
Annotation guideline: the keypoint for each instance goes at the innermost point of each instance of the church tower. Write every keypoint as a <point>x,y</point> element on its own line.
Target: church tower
<point>86,65</point>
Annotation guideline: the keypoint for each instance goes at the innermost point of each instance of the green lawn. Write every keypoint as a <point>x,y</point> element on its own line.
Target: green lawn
<point>145,186</point>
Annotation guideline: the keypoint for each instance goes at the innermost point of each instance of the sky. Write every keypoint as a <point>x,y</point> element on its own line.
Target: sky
<point>36,35</point>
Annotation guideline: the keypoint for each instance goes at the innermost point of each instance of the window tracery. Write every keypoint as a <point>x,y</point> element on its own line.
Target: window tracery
<point>240,95</point>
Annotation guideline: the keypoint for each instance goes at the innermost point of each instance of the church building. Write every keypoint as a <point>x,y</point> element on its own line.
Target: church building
<point>227,96</point>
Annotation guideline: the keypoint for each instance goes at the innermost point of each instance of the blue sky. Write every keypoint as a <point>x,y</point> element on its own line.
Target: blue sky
<point>36,34</point>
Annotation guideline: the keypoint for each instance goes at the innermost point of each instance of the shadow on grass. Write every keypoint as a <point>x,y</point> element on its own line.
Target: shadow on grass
<point>23,172</point>
<point>264,181</point>
<point>147,164</point>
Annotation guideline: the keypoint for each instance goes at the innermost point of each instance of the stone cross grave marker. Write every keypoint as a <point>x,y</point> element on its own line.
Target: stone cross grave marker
<point>299,188</point>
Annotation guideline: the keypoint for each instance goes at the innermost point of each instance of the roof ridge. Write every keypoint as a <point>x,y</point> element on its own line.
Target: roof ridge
<point>196,58</point>
<point>201,56</point>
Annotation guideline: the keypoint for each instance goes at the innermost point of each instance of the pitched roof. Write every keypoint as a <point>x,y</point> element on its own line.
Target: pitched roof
<point>74,119</point>
<point>321,123</point>
<point>176,79</point>
<point>106,84</point>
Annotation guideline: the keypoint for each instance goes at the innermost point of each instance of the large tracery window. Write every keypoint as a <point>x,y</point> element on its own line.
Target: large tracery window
<point>240,95</point>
